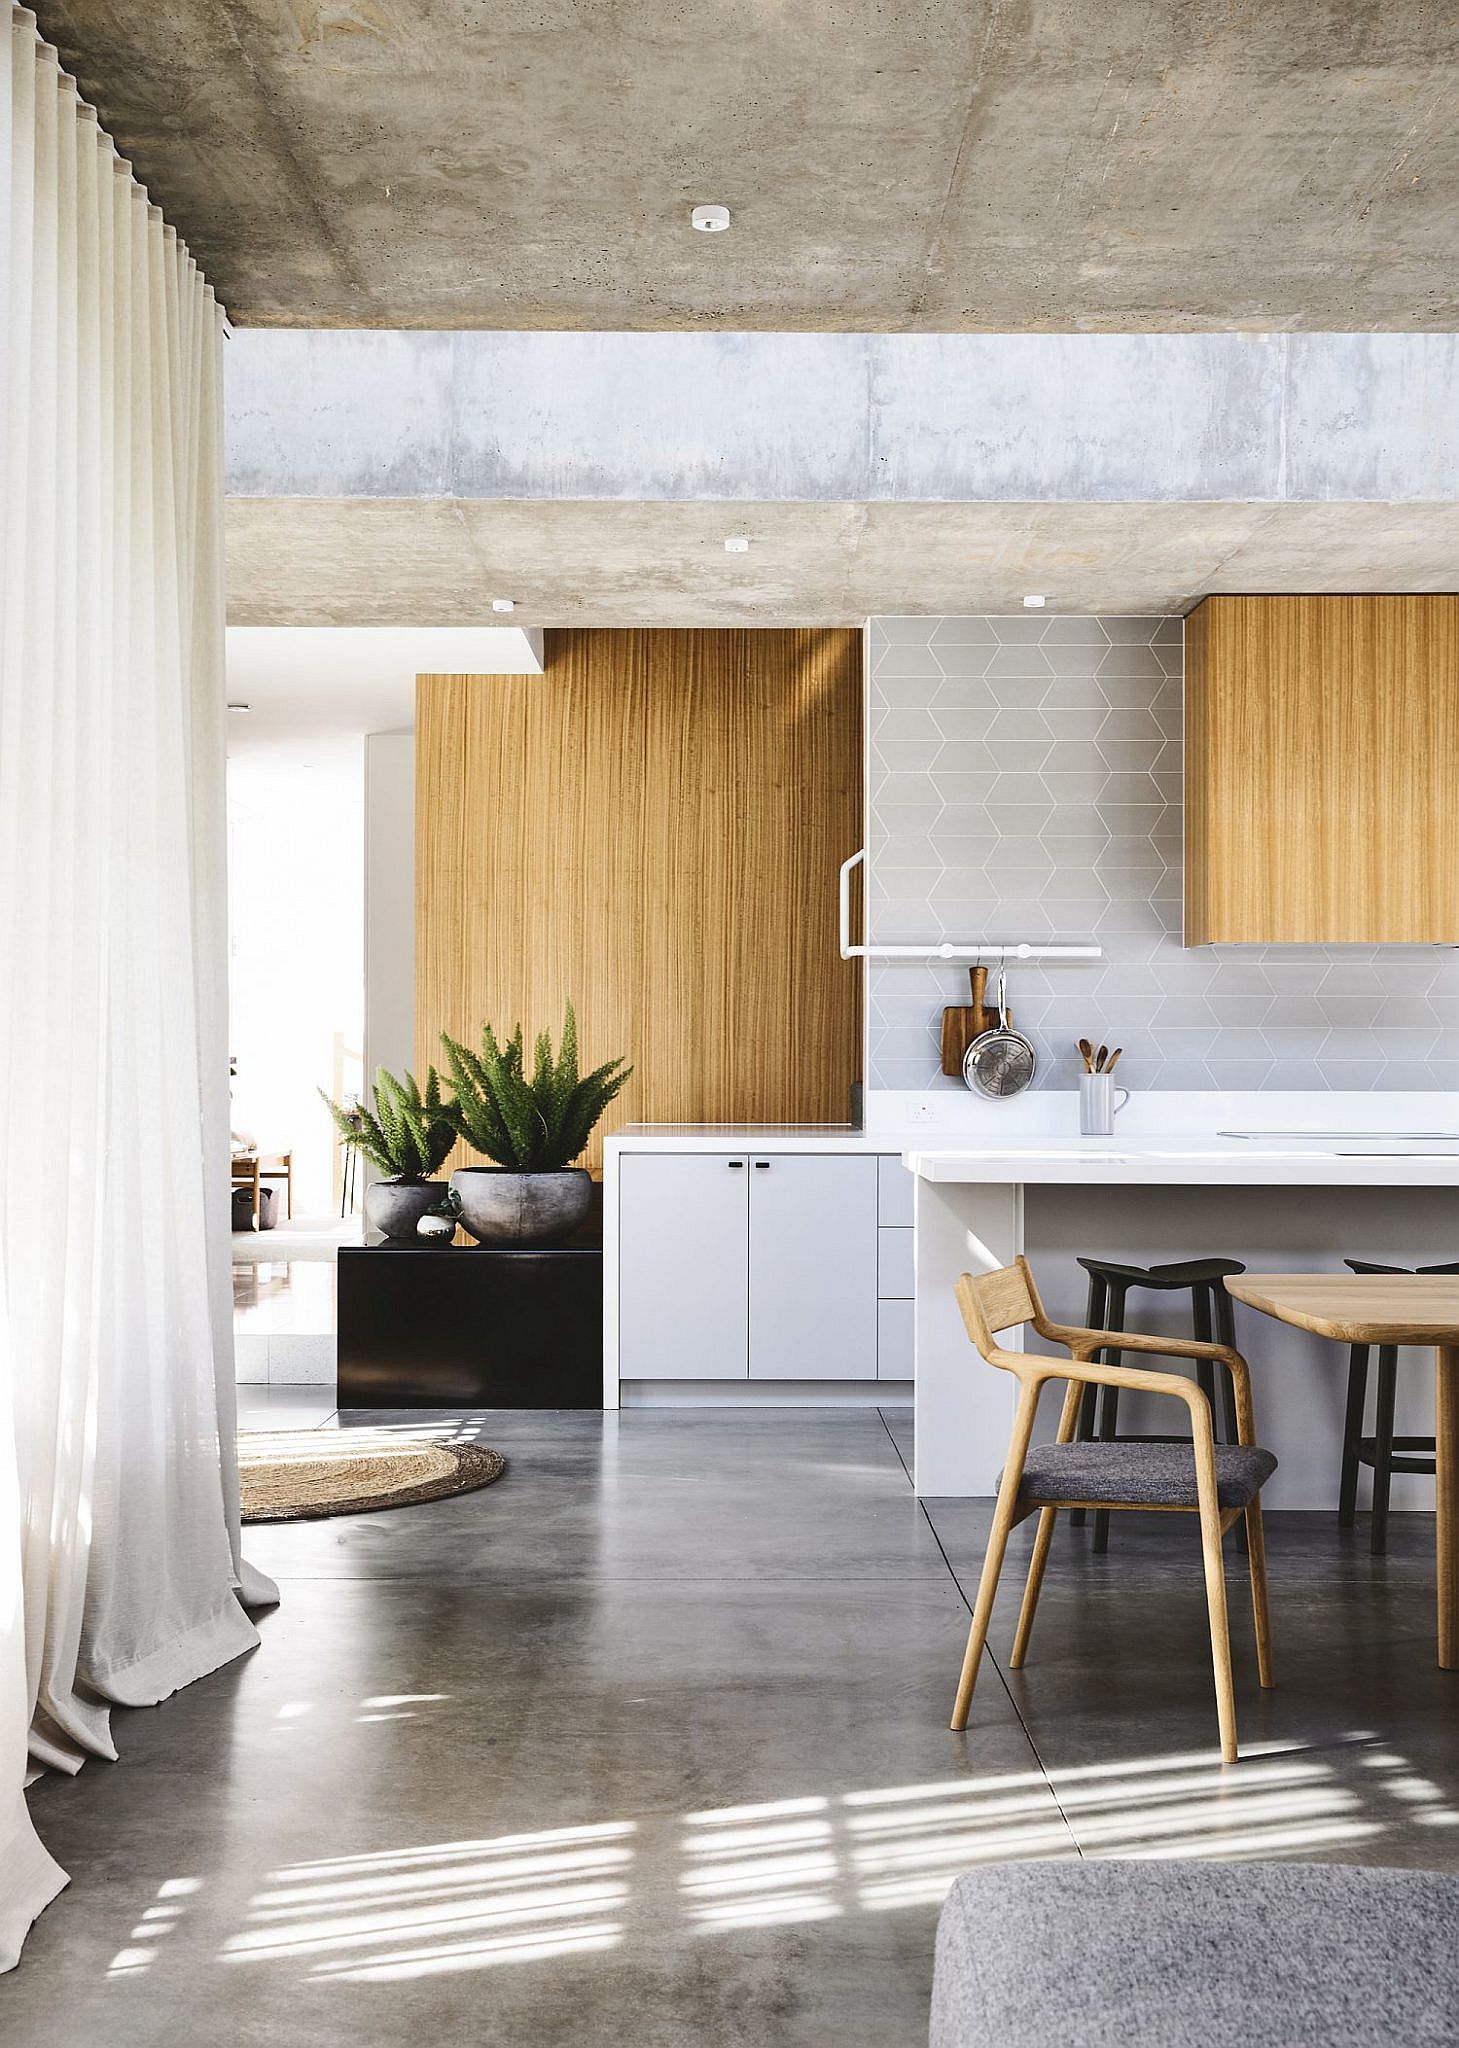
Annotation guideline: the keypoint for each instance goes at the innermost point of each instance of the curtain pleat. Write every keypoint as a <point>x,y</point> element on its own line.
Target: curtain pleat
<point>120,1575</point>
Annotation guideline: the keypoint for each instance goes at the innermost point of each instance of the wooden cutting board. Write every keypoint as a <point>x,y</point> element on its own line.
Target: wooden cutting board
<point>963,1022</point>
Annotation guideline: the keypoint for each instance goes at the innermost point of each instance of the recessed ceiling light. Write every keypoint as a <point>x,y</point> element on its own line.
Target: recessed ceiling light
<point>737,544</point>
<point>504,604</point>
<point>240,707</point>
<point>709,220</point>
<point>1033,602</point>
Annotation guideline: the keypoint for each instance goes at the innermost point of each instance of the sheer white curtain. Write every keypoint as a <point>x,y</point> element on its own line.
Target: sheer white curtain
<point>119,1549</point>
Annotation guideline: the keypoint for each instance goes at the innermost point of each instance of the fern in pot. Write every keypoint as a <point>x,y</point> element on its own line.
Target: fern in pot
<point>407,1138</point>
<point>534,1122</point>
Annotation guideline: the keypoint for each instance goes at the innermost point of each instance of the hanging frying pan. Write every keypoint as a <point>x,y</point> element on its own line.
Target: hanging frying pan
<point>1001,1061</point>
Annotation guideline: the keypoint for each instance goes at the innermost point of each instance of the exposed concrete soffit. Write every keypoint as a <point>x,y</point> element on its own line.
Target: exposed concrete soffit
<point>846,418</point>
<point>359,561</point>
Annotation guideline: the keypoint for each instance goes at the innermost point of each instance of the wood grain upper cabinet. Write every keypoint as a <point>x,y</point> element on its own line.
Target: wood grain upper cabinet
<point>1322,770</point>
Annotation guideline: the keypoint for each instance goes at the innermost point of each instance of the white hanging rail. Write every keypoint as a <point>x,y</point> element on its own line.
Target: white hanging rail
<point>944,949</point>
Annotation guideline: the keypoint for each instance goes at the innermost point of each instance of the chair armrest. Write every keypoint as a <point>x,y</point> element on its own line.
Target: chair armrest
<point>1088,1373</point>
<point>1132,1340</point>
<point>1081,1342</point>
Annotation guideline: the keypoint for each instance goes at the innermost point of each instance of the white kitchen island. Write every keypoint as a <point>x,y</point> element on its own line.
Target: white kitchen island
<point>1292,1201</point>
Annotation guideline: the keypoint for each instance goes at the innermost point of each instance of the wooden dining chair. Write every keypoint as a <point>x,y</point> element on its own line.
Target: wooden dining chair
<point>1217,1482</point>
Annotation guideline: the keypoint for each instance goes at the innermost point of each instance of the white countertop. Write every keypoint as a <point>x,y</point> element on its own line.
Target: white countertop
<point>1408,1141</point>
<point>1200,1160</point>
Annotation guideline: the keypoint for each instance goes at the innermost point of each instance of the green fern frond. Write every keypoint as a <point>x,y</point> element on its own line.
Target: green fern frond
<point>537,1122</point>
<point>409,1136</point>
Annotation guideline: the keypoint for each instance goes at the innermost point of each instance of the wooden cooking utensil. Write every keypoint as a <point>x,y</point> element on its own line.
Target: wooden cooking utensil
<point>1086,1053</point>
<point>1099,1059</point>
<point>962,1023</point>
<point>1113,1059</point>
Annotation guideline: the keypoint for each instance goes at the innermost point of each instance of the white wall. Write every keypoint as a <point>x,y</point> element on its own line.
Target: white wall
<point>296,919</point>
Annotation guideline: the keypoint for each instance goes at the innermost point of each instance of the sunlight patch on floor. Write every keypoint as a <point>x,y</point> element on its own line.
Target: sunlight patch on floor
<point>388,1915</point>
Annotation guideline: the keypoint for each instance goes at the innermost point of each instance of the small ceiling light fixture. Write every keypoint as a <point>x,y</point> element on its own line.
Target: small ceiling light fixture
<point>504,604</point>
<point>240,707</point>
<point>1033,602</point>
<point>709,220</point>
<point>737,544</point>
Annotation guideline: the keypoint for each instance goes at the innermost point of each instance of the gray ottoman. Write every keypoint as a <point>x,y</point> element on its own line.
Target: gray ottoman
<point>1214,1955</point>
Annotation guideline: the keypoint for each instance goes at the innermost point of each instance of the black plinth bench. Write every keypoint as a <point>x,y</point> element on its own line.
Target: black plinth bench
<point>460,1326</point>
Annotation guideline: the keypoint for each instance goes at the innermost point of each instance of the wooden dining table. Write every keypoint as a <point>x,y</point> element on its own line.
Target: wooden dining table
<point>1389,1308</point>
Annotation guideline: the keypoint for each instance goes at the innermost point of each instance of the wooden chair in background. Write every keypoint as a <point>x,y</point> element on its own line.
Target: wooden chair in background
<point>1217,1482</point>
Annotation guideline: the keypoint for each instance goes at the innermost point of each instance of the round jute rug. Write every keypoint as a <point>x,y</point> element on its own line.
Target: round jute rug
<point>294,1475</point>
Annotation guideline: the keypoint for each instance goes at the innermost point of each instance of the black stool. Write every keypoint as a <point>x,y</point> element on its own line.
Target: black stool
<point>1384,1451</point>
<point>1211,1312</point>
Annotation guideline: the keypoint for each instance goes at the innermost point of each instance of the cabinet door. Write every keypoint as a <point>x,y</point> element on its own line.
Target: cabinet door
<point>683,1266</point>
<point>812,1267</point>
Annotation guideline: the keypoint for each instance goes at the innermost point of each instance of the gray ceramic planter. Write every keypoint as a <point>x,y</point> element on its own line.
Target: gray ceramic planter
<point>501,1207</point>
<point>396,1206</point>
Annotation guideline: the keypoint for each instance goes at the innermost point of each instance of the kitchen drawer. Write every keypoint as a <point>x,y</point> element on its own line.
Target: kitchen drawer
<point>893,1190</point>
<point>894,1265</point>
<point>894,1326</point>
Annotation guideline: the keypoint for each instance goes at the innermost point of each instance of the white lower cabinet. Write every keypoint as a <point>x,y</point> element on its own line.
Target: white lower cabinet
<point>813,1247</point>
<point>761,1266</point>
<point>896,1337</point>
<point>683,1266</point>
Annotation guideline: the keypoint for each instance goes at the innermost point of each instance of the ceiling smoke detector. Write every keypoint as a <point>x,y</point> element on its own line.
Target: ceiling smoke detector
<point>1033,603</point>
<point>737,544</point>
<point>504,604</point>
<point>709,220</point>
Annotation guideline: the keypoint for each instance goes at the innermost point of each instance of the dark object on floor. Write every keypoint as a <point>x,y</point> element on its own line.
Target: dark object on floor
<point>1196,1955</point>
<point>426,1327</point>
<point>299,1475</point>
<point>1212,1320</point>
<point>268,1208</point>
<point>1384,1451</point>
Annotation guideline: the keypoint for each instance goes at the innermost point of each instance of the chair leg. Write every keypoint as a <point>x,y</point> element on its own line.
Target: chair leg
<point>1043,1537</point>
<point>1109,1406</point>
<point>1212,1557</point>
<point>1094,1315</point>
<point>1220,1640</point>
<point>1352,1435</point>
<point>1383,1444</point>
<point>1256,1557</point>
<point>1224,1316</point>
<point>1004,1510</point>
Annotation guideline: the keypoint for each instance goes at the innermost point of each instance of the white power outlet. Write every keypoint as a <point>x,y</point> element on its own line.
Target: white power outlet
<point>921,1113</point>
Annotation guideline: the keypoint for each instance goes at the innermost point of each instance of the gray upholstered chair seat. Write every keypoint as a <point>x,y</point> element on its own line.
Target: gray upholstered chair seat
<point>1197,1955</point>
<point>1141,1475</point>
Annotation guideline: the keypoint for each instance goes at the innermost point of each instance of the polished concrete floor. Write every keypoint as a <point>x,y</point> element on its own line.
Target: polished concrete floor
<point>647,1744</point>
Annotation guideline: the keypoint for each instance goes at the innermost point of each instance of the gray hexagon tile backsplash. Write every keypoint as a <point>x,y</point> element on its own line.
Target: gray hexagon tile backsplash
<point>1025,783</point>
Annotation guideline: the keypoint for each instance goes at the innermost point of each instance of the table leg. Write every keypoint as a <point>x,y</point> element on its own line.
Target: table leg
<point>1446,1465</point>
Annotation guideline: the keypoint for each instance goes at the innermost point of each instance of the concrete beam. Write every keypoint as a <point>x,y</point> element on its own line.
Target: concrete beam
<point>849,418</point>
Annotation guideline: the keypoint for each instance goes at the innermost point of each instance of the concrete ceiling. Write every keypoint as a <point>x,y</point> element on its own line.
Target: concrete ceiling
<point>391,561</point>
<point>933,164</point>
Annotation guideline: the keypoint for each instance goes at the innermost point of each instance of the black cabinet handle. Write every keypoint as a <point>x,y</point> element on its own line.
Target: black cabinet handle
<point>734,1165</point>
<point>762,1166</point>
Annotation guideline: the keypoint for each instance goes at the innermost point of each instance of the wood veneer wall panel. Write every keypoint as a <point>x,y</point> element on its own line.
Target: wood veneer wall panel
<point>1322,770</point>
<point>652,828</point>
